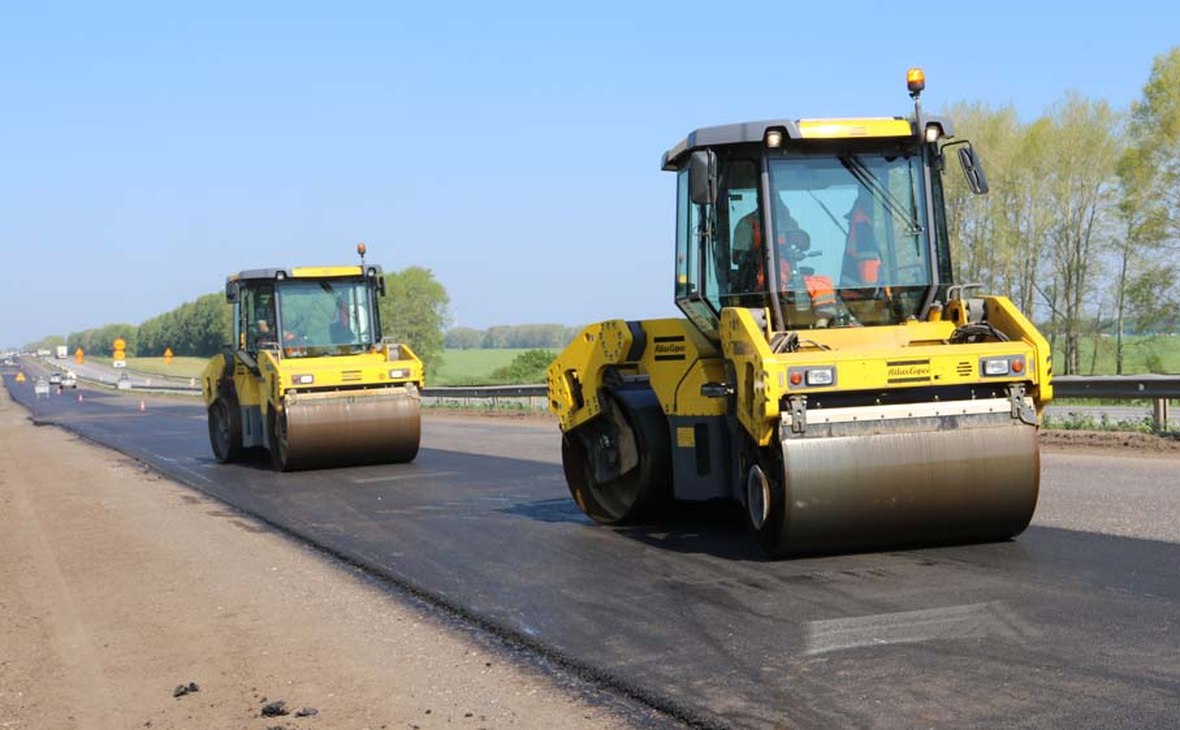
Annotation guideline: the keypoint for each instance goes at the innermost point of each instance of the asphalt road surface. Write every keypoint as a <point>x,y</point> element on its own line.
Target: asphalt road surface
<point>1076,623</point>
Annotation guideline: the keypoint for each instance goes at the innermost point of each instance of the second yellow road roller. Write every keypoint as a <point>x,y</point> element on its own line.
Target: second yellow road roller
<point>828,374</point>
<point>308,376</point>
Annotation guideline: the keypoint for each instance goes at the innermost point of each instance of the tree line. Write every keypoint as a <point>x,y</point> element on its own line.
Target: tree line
<point>523,336</point>
<point>1082,224</point>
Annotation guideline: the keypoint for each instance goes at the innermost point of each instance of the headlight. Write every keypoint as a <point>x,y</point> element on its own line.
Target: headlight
<point>995,366</point>
<point>302,379</point>
<point>399,373</point>
<point>821,376</point>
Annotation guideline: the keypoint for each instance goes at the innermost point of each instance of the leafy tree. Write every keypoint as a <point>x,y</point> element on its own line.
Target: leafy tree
<point>414,311</point>
<point>1149,208</point>
<point>464,338</point>
<point>527,367</point>
<point>45,343</point>
<point>1045,226</point>
<point>197,328</point>
<point>1080,189</point>
<point>497,337</point>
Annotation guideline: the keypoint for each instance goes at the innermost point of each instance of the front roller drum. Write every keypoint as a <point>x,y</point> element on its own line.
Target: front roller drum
<point>346,428</point>
<point>901,489</point>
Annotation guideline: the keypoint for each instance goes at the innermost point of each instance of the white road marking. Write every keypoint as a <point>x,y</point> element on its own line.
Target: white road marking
<point>399,477</point>
<point>971,621</point>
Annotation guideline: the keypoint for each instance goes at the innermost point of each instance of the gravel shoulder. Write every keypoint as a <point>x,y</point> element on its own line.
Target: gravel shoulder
<point>1132,443</point>
<point>117,586</point>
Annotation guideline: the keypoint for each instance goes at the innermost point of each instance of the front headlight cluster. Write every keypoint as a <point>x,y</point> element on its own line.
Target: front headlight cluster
<point>998,367</point>
<point>813,377</point>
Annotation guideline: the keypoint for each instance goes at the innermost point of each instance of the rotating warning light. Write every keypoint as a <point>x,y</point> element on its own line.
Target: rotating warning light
<point>915,81</point>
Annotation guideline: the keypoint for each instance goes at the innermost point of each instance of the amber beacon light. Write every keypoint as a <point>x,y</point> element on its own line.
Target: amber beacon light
<point>915,81</point>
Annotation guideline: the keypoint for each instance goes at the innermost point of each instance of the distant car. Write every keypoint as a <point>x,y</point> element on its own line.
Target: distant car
<point>55,379</point>
<point>69,380</point>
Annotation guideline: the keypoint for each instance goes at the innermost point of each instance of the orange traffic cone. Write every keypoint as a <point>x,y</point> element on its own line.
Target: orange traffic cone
<point>142,407</point>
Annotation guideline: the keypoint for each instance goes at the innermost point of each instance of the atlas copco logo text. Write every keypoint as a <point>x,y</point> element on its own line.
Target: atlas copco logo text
<point>909,371</point>
<point>670,348</point>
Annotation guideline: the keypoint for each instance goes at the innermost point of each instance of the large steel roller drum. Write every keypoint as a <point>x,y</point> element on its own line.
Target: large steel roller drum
<point>353,427</point>
<point>975,481</point>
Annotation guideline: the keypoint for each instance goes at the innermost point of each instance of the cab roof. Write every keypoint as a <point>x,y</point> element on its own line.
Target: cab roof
<point>306,272</point>
<point>798,129</point>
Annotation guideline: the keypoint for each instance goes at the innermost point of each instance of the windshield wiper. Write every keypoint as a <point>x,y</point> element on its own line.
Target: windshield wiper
<point>832,216</point>
<point>865,177</point>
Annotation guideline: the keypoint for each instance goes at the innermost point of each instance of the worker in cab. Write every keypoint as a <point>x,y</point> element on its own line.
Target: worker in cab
<point>812,291</point>
<point>263,324</point>
<point>862,255</point>
<point>340,330</point>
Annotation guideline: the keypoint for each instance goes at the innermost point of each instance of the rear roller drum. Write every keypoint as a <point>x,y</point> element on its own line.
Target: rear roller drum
<point>618,466</point>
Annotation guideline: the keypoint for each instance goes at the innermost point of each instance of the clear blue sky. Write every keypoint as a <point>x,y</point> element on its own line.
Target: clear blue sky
<point>147,150</point>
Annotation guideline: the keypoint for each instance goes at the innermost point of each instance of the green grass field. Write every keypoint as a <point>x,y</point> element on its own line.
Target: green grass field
<point>1147,354</point>
<point>472,367</point>
<point>180,367</point>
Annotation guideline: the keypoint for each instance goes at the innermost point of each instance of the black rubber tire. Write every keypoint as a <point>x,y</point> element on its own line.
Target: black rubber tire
<point>280,457</point>
<point>764,496</point>
<point>225,429</point>
<point>640,492</point>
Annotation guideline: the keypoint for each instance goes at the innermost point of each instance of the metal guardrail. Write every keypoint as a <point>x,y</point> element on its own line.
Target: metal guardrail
<point>1157,388</point>
<point>487,391</point>
<point>1117,387</point>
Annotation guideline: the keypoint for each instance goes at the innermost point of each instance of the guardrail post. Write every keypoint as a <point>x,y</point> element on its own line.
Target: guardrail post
<point>1159,415</point>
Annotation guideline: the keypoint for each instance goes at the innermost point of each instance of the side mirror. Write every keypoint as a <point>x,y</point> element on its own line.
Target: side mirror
<point>702,177</point>
<point>231,291</point>
<point>972,170</point>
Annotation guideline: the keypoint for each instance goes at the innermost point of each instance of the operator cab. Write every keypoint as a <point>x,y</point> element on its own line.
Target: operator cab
<point>306,312</point>
<point>853,208</point>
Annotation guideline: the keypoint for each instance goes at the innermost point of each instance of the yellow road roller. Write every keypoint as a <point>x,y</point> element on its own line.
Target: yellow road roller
<point>308,376</point>
<point>828,374</point>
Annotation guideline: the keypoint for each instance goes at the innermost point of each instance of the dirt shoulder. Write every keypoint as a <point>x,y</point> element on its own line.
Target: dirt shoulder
<point>118,586</point>
<point>1137,444</point>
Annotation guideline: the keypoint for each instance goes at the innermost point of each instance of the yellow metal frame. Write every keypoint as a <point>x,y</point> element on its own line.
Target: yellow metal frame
<point>274,378</point>
<point>678,361</point>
